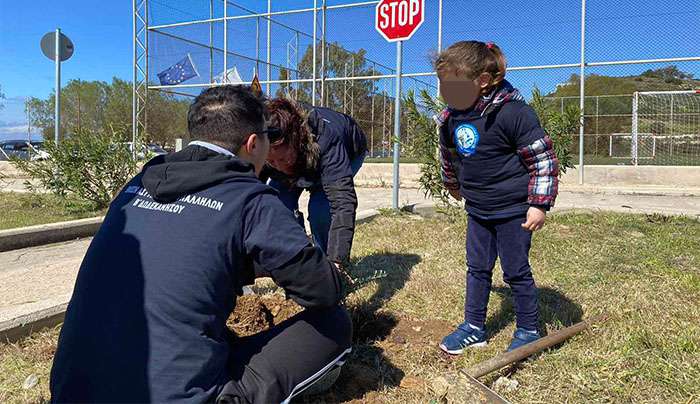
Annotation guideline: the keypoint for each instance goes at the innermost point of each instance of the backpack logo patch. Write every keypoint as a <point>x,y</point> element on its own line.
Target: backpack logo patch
<point>466,139</point>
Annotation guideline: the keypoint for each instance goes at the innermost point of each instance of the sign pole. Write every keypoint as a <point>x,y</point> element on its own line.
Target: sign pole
<point>397,123</point>
<point>57,116</point>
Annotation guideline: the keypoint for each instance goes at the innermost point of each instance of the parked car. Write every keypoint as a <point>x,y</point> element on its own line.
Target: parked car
<point>22,149</point>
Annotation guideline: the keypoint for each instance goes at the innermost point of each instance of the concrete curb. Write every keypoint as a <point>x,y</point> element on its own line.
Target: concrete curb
<point>22,326</point>
<point>430,210</point>
<point>23,237</point>
<point>366,216</point>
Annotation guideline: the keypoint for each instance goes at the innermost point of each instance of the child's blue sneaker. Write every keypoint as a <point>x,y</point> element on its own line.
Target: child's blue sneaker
<point>463,337</point>
<point>521,337</point>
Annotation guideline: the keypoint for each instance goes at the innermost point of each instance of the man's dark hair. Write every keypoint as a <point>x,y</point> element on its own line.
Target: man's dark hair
<point>226,115</point>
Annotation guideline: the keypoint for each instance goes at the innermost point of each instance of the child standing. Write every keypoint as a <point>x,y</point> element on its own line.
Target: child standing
<point>496,156</point>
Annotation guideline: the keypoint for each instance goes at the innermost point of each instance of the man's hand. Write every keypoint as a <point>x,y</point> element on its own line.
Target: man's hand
<point>535,219</point>
<point>455,194</point>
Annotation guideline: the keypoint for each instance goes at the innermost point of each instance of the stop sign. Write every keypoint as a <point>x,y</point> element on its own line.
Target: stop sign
<point>398,20</point>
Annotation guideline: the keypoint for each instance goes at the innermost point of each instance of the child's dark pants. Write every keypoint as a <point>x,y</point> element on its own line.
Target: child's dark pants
<point>504,238</point>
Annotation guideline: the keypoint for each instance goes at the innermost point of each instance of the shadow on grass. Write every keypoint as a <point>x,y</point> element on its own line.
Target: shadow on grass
<point>555,309</point>
<point>368,369</point>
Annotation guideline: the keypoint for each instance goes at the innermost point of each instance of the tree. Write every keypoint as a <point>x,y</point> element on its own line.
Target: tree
<point>670,74</point>
<point>89,165</point>
<point>97,106</point>
<point>353,97</point>
<point>285,88</point>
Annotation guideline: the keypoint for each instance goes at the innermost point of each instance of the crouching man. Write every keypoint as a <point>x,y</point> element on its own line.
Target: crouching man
<point>147,319</point>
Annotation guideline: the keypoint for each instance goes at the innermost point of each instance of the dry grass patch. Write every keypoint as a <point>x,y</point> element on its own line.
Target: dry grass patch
<point>641,271</point>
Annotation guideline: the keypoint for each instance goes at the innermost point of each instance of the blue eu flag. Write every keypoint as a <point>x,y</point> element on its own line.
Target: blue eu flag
<point>179,72</point>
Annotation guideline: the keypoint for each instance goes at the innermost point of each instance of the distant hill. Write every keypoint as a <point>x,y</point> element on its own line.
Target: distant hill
<point>614,114</point>
<point>665,79</point>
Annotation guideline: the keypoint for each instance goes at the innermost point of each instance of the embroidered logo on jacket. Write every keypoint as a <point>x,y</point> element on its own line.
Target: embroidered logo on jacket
<point>466,139</point>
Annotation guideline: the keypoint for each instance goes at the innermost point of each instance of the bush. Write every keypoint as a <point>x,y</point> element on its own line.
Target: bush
<point>558,126</point>
<point>92,166</point>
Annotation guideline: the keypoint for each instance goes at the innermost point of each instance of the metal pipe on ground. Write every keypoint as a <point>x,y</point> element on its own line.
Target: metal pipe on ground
<point>507,358</point>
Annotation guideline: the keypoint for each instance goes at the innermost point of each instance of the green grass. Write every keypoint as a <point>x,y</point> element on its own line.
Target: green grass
<point>28,209</point>
<point>642,272</point>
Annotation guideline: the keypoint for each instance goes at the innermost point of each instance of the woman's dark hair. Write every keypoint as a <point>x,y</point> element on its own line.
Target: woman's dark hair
<point>226,115</point>
<point>291,119</point>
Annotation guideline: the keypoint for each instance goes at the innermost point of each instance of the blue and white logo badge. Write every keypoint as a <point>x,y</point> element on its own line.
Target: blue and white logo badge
<point>466,139</point>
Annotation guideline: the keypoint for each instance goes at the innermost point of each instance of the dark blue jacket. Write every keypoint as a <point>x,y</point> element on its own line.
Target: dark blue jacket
<point>504,161</point>
<point>147,319</point>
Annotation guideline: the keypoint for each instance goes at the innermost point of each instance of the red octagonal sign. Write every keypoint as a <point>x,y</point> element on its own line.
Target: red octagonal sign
<point>398,20</point>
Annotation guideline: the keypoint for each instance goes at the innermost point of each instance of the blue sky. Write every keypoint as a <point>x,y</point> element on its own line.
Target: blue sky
<point>532,32</point>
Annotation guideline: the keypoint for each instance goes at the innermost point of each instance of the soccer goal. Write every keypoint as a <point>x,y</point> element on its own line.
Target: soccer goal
<point>666,128</point>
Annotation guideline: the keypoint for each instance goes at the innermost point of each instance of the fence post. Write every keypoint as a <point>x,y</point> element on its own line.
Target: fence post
<point>439,43</point>
<point>582,91</point>
<point>211,42</point>
<point>224,79</point>
<point>257,46</point>
<point>635,126</point>
<point>313,52</point>
<point>671,143</point>
<point>296,65</point>
<point>323,54</point>
<point>397,123</point>
<point>268,71</point>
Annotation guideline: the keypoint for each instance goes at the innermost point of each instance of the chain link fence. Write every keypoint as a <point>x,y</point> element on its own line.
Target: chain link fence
<point>327,52</point>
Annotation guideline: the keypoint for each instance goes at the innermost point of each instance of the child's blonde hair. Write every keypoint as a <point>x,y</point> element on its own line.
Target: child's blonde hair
<point>470,59</point>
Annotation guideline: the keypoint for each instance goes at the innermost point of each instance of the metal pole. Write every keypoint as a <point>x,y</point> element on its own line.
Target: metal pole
<point>384,114</point>
<point>671,143</point>
<point>145,91</point>
<point>397,123</point>
<point>371,136</point>
<point>582,91</point>
<point>439,42</point>
<point>597,130</point>
<point>352,88</point>
<point>57,112</point>
<point>313,46</point>
<point>345,89</point>
<point>595,150</point>
<point>133,77</point>
<point>296,66</point>
<point>671,124</point>
<point>211,42</point>
<point>257,47</point>
<point>269,46</point>
<point>506,358</point>
<point>323,54</point>
<point>224,79</point>
<point>635,126</point>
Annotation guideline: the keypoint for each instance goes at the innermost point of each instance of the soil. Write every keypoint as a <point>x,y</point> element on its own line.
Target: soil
<point>255,313</point>
<point>383,343</point>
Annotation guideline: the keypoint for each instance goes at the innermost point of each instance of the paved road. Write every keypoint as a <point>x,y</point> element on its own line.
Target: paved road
<point>41,277</point>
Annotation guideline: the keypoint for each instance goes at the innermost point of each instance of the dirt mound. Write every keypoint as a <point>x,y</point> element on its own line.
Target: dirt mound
<point>255,313</point>
<point>384,343</point>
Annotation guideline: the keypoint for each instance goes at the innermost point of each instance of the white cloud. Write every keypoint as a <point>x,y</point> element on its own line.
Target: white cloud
<point>12,130</point>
